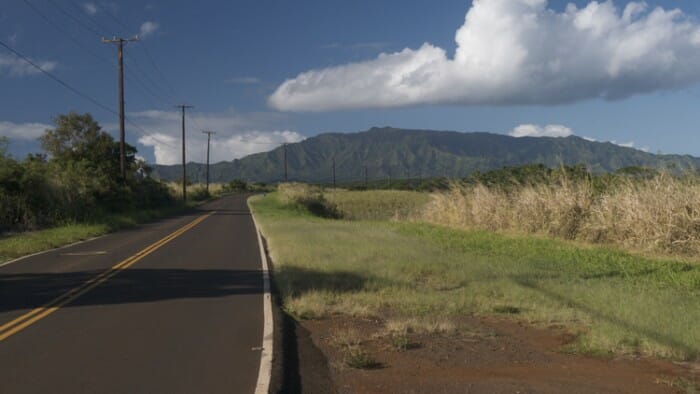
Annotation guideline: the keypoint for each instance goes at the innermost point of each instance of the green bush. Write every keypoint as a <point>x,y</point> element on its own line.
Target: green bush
<point>77,180</point>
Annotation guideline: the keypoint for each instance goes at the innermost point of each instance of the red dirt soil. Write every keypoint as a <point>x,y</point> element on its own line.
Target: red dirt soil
<point>489,355</point>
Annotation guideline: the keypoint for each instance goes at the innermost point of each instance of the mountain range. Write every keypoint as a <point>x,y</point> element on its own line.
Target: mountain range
<point>382,153</point>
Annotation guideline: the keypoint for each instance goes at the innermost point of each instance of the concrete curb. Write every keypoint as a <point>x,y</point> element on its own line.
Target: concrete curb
<point>265,371</point>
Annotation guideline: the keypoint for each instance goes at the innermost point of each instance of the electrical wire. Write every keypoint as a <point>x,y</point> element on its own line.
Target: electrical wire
<point>75,19</point>
<point>83,11</point>
<point>131,76</point>
<point>80,93</point>
<point>58,80</point>
<point>65,32</point>
<point>173,93</point>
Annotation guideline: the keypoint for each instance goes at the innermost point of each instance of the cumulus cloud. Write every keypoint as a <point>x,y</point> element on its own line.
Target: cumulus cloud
<point>233,139</point>
<point>630,144</point>
<point>17,67</point>
<point>560,131</point>
<point>518,52</point>
<point>148,28</point>
<point>531,130</point>
<point>22,131</point>
<point>90,8</point>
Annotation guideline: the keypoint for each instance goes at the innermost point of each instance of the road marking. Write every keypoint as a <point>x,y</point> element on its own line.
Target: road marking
<point>31,317</point>
<point>17,260</point>
<point>95,253</point>
<point>265,370</point>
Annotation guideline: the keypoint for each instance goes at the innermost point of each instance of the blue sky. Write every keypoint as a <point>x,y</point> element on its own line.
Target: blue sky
<point>230,60</point>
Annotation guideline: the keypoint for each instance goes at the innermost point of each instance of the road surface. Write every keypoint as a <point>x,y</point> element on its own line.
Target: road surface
<point>171,307</point>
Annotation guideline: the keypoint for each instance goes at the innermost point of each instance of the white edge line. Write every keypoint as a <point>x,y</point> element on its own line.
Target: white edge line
<point>265,371</point>
<point>50,250</point>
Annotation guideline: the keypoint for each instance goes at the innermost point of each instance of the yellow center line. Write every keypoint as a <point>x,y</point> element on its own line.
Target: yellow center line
<point>31,317</point>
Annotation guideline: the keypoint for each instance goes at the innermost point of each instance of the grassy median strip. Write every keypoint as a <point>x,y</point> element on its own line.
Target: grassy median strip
<point>430,275</point>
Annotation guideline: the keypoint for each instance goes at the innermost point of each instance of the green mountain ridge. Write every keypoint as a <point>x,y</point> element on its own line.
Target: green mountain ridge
<point>399,153</point>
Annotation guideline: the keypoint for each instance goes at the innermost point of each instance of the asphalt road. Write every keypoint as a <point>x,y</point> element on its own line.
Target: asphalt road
<point>183,316</point>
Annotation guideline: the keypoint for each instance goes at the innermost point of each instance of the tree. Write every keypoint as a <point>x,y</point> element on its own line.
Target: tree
<point>79,138</point>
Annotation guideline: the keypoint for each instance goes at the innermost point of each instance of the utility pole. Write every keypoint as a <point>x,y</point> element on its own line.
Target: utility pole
<point>333,172</point>
<point>208,133</point>
<point>365,175</point>
<point>183,107</point>
<point>285,161</point>
<point>120,56</point>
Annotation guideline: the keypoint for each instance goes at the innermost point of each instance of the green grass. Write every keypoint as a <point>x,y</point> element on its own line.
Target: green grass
<point>619,303</point>
<point>24,243</point>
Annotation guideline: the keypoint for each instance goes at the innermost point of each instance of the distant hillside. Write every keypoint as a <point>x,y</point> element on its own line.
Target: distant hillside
<point>397,153</point>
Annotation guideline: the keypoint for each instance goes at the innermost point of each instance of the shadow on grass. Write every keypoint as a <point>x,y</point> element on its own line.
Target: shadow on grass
<point>295,281</point>
<point>691,352</point>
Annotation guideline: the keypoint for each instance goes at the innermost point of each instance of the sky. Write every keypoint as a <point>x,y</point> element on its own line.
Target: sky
<point>265,72</point>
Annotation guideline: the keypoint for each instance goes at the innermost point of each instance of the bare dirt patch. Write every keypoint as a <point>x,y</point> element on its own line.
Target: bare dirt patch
<point>484,355</point>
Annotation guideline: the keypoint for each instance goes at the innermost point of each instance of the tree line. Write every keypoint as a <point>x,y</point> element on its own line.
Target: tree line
<point>76,178</point>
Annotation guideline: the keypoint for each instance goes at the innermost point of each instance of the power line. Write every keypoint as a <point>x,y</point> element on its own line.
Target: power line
<point>79,93</point>
<point>84,12</point>
<point>144,47</point>
<point>77,20</point>
<point>65,32</point>
<point>58,80</point>
<point>156,93</point>
<point>131,75</point>
<point>144,133</point>
<point>111,15</point>
<point>155,66</point>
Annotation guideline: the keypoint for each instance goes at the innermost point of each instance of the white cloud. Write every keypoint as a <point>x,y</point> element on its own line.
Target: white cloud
<point>560,131</point>
<point>517,52</point>
<point>148,28</point>
<point>630,144</point>
<point>531,130</point>
<point>235,136</point>
<point>17,67</point>
<point>22,131</point>
<point>90,8</point>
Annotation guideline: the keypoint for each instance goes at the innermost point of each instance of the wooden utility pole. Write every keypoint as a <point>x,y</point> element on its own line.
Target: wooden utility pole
<point>208,133</point>
<point>120,56</point>
<point>183,107</point>
<point>333,172</point>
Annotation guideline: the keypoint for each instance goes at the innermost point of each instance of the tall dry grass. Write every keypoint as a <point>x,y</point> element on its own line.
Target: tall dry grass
<point>298,193</point>
<point>659,215</point>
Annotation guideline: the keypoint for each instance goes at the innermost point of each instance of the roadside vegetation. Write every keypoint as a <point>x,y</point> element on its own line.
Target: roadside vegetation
<point>74,189</point>
<point>522,249</point>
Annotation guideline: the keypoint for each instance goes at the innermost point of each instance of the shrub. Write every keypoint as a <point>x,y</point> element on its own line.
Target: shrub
<point>309,197</point>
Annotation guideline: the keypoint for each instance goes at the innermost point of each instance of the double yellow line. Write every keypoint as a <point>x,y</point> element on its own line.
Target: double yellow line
<point>31,317</point>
